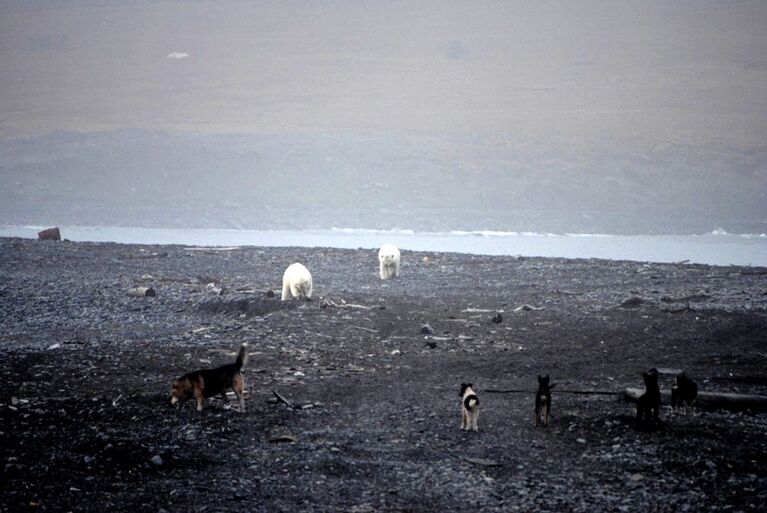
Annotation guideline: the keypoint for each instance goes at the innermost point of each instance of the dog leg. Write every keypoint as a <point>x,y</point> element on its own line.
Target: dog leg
<point>200,397</point>
<point>546,416</point>
<point>238,386</point>
<point>464,421</point>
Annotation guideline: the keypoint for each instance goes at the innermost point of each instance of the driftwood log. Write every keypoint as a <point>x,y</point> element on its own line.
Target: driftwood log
<point>283,400</point>
<point>142,292</point>
<point>709,400</point>
<point>49,234</point>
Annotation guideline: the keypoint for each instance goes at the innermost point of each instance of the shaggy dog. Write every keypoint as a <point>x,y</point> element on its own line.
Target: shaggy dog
<point>205,383</point>
<point>296,282</point>
<point>388,261</point>
<point>543,401</point>
<point>469,407</point>
<point>684,393</point>
<point>648,404</point>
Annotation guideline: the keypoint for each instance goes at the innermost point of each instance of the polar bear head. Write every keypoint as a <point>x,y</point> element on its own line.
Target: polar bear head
<point>388,254</point>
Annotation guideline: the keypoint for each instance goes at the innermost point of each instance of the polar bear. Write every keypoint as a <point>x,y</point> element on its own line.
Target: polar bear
<point>296,282</point>
<point>388,261</point>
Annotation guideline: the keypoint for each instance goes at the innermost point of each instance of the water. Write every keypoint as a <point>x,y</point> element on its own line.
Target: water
<point>714,248</point>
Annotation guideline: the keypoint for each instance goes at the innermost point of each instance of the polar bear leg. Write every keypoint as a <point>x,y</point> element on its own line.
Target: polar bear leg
<point>302,288</point>
<point>286,293</point>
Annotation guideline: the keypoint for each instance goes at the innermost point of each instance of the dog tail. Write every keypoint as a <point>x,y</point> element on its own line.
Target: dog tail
<point>471,401</point>
<point>242,356</point>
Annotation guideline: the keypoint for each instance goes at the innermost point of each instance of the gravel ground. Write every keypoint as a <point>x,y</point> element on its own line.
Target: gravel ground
<point>85,372</point>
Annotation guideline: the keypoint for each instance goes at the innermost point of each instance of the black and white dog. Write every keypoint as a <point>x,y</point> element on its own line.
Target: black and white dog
<point>469,407</point>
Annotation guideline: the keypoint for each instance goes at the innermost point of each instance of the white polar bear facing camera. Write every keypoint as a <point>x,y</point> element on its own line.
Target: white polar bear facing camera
<point>388,261</point>
<point>296,282</point>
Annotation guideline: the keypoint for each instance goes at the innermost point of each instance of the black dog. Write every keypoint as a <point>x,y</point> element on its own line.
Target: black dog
<point>543,400</point>
<point>684,393</point>
<point>648,404</point>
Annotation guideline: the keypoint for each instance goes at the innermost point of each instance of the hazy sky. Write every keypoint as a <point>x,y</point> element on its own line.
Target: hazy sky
<point>692,72</point>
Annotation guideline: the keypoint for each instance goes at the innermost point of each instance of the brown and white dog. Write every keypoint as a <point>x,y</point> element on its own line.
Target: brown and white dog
<point>205,383</point>
<point>469,407</point>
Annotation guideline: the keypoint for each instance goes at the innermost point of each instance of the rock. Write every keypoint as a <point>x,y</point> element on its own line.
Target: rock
<point>270,293</point>
<point>632,302</point>
<point>497,318</point>
<point>426,329</point>
<point>50,234</point>
<point>157,460</point>
<point>431,344</point>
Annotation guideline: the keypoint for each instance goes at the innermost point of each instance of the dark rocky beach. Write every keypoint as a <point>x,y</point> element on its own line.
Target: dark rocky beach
<point>374,414</point>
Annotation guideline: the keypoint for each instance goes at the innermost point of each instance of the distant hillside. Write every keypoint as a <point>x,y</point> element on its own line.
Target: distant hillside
<point>379,180</point>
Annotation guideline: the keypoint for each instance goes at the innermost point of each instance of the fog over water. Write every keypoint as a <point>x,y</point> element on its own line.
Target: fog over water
<point>573,117</point>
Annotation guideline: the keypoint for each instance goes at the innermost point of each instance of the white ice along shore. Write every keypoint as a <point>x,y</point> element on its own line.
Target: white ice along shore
<point>713,248</point>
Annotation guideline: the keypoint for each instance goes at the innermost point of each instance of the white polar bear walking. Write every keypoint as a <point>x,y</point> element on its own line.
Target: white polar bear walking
<point>388,261</point>
<point>296,282</point>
